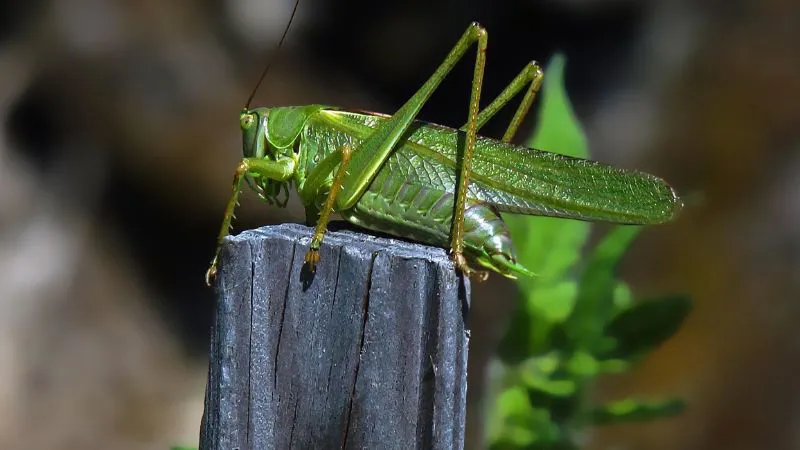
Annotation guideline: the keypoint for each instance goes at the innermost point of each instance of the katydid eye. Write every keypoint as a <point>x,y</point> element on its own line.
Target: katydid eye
<point>247,121</point>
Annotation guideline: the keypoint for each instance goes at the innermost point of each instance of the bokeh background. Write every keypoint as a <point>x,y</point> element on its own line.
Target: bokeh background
<point>120,136</point>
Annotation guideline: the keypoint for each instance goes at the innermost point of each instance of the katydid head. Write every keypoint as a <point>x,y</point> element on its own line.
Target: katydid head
<point>255,145</point>
<point>254,128</point>
<point>271,133</point>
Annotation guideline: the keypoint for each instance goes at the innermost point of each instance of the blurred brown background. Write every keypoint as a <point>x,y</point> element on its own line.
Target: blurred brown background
<point>121,135</point>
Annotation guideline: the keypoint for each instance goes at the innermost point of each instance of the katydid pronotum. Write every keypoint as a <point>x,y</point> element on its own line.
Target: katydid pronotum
<point>433,184</point>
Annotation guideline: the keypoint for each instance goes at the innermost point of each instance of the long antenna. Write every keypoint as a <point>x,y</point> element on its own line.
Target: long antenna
<point>272,58</point>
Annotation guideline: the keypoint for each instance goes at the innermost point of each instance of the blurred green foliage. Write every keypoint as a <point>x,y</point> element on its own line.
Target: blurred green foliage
<point>574,321</point>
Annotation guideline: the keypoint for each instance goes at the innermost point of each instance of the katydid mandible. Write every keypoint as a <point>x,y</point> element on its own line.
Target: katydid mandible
<point>440,186</point>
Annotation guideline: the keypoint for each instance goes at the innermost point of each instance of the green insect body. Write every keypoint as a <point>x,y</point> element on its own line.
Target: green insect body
<point>411,196</point>
<point>437,185</point>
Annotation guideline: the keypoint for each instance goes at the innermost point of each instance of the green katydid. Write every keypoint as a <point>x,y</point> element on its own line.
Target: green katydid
<point>433,184</point>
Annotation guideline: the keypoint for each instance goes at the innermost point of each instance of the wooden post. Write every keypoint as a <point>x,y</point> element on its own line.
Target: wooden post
<point>369,352</point>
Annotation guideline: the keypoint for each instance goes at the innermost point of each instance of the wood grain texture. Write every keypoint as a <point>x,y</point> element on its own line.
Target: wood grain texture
<point>369,352</point>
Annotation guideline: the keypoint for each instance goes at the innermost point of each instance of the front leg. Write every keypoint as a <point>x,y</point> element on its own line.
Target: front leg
<point>280,170</point>
<point>312,189</point>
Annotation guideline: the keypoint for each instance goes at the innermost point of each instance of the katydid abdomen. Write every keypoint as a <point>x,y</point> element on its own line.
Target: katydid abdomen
<point>395,206</point>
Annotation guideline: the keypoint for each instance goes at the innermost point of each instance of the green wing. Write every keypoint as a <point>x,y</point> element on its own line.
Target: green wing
<point>517,179</point>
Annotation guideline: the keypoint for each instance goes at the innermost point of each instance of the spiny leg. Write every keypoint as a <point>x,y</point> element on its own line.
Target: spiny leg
<point>276,170</point>
<point>457,231</point>
<point>536,77</point>
<point>312,256</point>
<point>238,176</point>
<point>532,76</point>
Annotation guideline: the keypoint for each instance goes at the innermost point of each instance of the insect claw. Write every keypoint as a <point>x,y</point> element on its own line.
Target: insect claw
<point>462,266</point>
<point>312,258</point>
<point>211,273</point>
<point>480,275</point>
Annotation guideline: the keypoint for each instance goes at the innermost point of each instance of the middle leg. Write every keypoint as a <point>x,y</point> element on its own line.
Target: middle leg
<point>343,154</point>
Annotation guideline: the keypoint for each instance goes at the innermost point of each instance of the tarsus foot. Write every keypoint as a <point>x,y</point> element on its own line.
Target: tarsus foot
<point>211,273</point>
<point>461,264</point>
<point>312,258</point>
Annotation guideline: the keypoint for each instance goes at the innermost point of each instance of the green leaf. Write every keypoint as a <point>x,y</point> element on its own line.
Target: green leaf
<point>554,301</point>
<point>516,423</point>
<point>583,365</point>
<point>511,406</point>
<point>598,285</point>
<point>548,246</point>
<point>647,324</point>
<point>558,128</point>
<point>633,410</point>
<point>614,366</point>
<point>550,304</point>
<point>537,373</point>
<point>623,297</point>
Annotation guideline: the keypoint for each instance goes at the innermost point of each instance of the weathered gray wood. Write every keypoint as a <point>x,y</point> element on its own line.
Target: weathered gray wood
<point>370,352</point>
